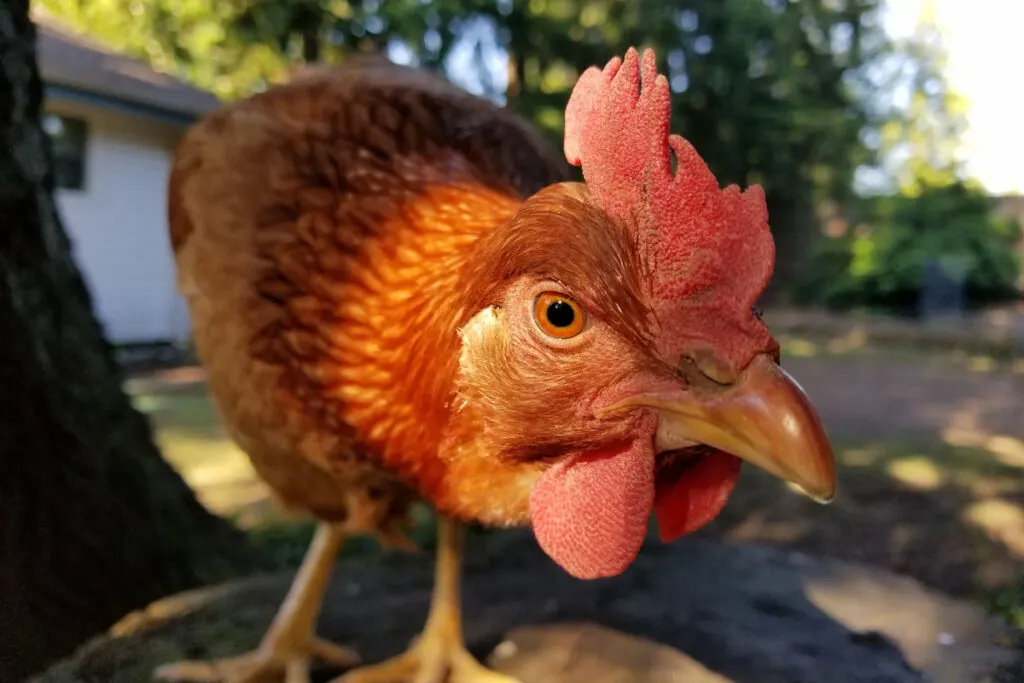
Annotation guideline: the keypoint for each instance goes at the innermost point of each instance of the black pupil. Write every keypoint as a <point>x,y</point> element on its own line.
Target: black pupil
<point>560,314</point>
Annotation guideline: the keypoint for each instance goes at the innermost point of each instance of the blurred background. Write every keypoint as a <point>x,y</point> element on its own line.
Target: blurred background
<point>887,135</point>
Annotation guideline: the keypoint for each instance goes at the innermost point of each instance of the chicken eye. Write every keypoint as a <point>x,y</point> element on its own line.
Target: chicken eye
<point>558,316</point>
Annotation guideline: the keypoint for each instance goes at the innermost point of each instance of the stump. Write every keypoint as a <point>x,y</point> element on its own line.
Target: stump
<point>696,610</point>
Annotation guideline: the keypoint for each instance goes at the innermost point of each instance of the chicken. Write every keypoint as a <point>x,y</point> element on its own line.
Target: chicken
<point>398,295</point>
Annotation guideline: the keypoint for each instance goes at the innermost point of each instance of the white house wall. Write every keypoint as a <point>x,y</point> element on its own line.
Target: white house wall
<point>118,225</point>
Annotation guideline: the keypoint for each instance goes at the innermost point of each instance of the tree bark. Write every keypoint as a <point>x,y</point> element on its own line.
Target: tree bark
<point>93,522</point>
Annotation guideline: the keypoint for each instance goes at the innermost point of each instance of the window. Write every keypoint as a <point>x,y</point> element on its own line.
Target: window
<point>68,135</point>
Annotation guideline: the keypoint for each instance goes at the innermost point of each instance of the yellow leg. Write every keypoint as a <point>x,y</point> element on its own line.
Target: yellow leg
<point>439,654</point>
<point>290,643</point>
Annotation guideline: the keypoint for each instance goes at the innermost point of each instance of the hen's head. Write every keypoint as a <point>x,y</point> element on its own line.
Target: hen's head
<point>617,361</point>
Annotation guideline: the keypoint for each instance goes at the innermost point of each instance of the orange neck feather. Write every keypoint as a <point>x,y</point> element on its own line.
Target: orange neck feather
<point>398,346</point>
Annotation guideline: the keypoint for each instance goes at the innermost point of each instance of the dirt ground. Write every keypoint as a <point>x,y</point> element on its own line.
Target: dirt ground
<point>931,454</point>
<point>881,396</point>
<point>731,613</point>
<point>930,451</point>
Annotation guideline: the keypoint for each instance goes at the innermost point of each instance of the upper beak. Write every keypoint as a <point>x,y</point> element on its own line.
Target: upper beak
<point>764,418</point>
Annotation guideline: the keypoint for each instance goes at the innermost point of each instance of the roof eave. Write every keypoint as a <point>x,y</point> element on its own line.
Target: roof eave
<point>77,95</point>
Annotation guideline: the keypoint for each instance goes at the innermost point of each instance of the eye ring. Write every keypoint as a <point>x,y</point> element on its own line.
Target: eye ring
<point>558,316</point>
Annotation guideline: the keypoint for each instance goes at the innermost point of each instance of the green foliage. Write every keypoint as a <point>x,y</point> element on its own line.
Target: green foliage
<point>285,543</point>
<point>932,214</point>
<point>881,263</point>
<point>925,137</point>
<point>192,39</point>
<point>784,93</point>
<point>769,91</point>
<point>1008,602</point>
<point>762,89</point>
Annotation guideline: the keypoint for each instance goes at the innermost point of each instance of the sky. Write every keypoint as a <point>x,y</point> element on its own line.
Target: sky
<point>985,44</point>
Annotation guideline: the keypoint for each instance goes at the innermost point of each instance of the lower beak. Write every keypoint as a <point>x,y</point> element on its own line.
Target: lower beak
<point>765,418</point>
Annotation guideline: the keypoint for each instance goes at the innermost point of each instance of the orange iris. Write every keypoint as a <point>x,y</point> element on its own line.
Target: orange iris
<point>558,316</point>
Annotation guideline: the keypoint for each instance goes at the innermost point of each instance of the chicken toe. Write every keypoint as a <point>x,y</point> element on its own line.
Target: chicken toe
<point>439,655</point>
<point>263,664</point>
<point>428,661</point>
<point>289,645</point>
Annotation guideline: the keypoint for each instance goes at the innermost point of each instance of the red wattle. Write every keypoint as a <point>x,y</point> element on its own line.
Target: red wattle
<point>687,503</point>
<point>590,512</point>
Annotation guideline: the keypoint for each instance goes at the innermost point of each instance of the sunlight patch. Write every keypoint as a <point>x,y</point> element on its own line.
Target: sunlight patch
<point>981,364</point>
<point>856,338</point>
<point>860,457</point>
<point>999,519</point>
<point>802,348</point>
<point>963,429</point>
<point>1008,450</point>
<point>917,472</point>
<point>147,403</point>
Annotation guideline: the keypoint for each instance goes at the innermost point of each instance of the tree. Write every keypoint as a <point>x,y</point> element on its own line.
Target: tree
<point>765,89</point>
<point>922,138</point>
<point>920,211</point>
<point>93,522</point>
<point>780,68</point>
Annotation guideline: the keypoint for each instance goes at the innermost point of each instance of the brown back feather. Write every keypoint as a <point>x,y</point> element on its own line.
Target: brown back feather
<point>307,230</point>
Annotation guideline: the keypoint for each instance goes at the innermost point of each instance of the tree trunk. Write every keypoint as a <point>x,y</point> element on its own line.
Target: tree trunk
<point>93,522</point>
<point>516,67</point>
<point>795,231</point>
<point>311,30</point>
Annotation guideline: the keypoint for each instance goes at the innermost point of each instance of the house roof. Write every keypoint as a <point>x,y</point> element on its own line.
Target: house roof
<point>74,66</point>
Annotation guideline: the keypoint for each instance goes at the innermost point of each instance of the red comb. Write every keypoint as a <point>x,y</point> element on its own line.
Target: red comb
<point>710,250</point>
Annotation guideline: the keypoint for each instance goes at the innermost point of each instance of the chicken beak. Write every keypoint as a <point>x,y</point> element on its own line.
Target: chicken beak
<point>764,418</point>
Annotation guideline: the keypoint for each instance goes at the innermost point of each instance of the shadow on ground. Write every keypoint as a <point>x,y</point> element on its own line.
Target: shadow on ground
<point>931,467</point>
<point>751,614</point>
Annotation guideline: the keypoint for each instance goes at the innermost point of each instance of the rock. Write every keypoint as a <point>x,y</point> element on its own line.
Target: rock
<point>588,653</point>
<point>744,614</point>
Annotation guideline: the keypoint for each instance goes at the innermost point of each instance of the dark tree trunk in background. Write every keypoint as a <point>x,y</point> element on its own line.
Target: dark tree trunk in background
<point>310,45</point>
<point>312,26</point>
<point>93,522</point>
<point>796,232</point>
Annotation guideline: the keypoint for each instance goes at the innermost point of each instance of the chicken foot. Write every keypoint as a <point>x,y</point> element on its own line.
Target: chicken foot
<point>290,643</point>
<point>439,654</point>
